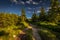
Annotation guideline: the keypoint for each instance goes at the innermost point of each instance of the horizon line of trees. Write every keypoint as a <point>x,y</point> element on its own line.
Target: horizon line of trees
<point>53,15</point>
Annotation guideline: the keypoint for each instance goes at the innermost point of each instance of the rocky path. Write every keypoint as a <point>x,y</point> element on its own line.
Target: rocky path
<point>35,33</point>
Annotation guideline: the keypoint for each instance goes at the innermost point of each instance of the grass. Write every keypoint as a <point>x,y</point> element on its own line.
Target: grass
<point>29,34</point>
<point>46,35</point>
<point>28,31</point>
<point>52,28</point>
<point>8,32</point>
<point>46,23</point>
<point>15,30</point>
<point>27,25</point>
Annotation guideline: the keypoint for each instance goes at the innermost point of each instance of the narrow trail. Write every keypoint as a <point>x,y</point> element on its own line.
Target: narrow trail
<point>35,33</point>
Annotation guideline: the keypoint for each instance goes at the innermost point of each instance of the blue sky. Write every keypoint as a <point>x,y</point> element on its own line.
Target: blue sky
<point>15,6</point>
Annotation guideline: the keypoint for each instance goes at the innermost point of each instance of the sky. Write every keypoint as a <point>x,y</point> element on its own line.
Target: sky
<point>15,6</point>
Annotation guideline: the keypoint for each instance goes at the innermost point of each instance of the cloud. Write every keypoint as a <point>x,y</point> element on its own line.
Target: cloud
<point>22,2</point>
<point>48,8</point>
<point>40,1</point>
<point>32,2</point>
<point>28,2</point>
<point>17,2</point>
<point>14,1</point>
<point>38,11</point>
<point>29,8</point>
<point>35,3</point>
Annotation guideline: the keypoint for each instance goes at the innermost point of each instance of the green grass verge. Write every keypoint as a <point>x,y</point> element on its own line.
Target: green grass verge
<point>53,28</point>
<point>29,34</point>
<point>47,35</point>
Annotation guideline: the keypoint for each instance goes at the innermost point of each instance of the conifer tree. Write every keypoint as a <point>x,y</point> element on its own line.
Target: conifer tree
<point>34,16</point>
<point>23,15</point>
<point>53,11</point>
<point>42,14</point>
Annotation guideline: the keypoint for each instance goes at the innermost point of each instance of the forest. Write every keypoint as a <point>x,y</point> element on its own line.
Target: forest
<point>42,26</point>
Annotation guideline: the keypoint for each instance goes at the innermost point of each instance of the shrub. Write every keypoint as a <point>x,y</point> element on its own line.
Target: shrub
<point>7,19</point>
<point>2,33</point>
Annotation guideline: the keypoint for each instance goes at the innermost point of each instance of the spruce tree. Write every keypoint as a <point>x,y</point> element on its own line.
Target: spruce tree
<point>34,16</point>
<point>23,15</point>
<point>53,11</point>
<point>42,14</point>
